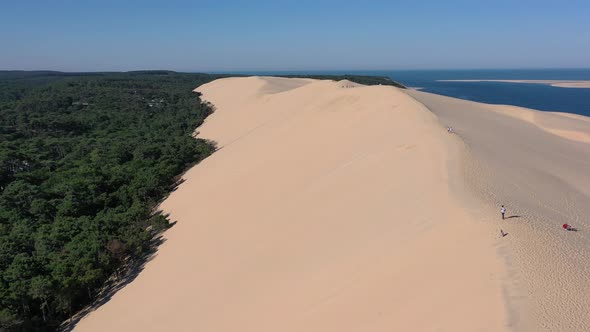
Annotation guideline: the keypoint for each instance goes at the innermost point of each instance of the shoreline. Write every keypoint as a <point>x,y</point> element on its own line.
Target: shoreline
<point>574,84</point>
<point>346,194</point>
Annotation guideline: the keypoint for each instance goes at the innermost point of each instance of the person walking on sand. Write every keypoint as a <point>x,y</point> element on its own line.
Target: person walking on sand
<point>503,211</point>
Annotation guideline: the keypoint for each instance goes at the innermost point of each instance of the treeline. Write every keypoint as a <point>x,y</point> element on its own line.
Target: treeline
<point>84,159</point>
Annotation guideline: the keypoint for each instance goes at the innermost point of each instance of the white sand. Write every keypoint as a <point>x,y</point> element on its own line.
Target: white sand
<point>329,207</point>
<point>556,83</point>
<point>538,164</point>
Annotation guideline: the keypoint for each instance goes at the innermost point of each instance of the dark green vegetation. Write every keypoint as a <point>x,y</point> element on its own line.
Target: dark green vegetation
<point>84,159</point>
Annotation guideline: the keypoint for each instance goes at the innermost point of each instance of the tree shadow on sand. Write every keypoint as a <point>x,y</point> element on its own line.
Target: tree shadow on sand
<point>124,277</point>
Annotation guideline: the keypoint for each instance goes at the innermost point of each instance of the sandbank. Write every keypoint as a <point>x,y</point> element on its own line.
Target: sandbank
<point>555,83</point>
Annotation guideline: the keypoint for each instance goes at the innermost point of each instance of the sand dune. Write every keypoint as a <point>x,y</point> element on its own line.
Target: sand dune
<point>555,83</point>
<point>538,164</point>
<point>561,124</point>
<point>329,207</point>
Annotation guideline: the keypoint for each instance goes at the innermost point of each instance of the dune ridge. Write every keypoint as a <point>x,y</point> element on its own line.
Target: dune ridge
<point>326,208</point>
<point>570,126</point>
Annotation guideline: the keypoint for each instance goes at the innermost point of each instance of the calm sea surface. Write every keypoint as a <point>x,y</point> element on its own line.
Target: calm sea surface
<point>536,96</point>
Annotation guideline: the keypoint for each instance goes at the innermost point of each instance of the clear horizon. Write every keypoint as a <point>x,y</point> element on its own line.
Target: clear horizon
<point>311,71</point>
<point>229,36</point>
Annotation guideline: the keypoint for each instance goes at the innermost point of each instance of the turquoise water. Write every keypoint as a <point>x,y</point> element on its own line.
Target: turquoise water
<point>536,96</point>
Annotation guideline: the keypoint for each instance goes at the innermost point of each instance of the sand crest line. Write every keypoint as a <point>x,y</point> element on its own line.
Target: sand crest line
<point>328,208</point>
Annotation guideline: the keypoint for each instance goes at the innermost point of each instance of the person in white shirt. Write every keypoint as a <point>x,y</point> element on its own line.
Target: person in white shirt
<point>503,211</point>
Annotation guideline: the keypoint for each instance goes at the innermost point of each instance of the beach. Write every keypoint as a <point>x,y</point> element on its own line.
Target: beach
<point>556,83</point>
<point>536,163</point>
<point>332,206</point>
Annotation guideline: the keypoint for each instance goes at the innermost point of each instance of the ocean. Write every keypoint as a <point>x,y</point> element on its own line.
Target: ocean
<point>536,96</point>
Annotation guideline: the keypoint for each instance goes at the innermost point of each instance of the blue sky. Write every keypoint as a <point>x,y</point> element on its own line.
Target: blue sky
<point>76,35</point>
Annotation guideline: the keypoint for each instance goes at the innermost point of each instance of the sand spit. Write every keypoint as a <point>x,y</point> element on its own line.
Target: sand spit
<point>555,83</point>
<point>327,208</point>
<point>538,164</point>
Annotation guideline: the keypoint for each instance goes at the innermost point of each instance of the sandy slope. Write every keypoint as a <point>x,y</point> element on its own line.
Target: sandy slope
<point>555,83</point>
<point>538,164</point>
<point>329,207</point>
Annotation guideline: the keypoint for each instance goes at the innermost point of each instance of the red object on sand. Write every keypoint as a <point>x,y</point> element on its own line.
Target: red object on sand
<point>565,226</point>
